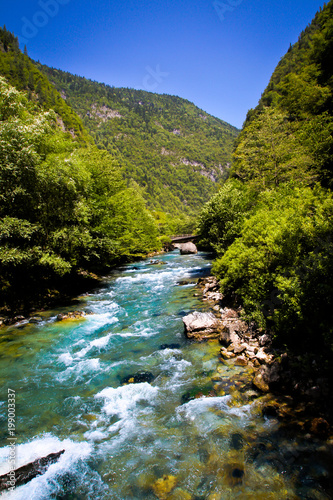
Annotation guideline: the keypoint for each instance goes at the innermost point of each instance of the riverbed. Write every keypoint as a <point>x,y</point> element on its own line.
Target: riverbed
<point>141,411</point>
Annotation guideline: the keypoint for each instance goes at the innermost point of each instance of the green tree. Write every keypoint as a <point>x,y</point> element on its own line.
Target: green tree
<point>270,152</point>
<point>221,219</point>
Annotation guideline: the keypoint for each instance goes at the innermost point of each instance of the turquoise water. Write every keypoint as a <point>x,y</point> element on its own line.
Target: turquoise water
<point>142,412</point>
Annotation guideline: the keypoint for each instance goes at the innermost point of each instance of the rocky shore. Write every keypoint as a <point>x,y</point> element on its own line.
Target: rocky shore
<point>272,368</point>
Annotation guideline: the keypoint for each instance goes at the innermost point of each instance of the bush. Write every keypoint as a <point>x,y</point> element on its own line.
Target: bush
<point>281,265</point>
<point>221,219</point>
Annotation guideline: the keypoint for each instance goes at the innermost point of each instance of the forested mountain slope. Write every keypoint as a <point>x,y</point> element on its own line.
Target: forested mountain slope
<point>23,74</point>
<point>173,149</point>
<point>271,224</point>
<point>65,209</point>
<point>289,136</point>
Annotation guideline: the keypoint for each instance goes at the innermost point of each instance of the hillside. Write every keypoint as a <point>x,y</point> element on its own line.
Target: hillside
<point>173,149</point>
<point>65,210</point>
<point>271,224</point>
<point>22,73</point>
<point>292,124</point>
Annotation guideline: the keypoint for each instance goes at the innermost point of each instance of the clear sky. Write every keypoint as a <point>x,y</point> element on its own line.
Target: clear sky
<point>218,54</point>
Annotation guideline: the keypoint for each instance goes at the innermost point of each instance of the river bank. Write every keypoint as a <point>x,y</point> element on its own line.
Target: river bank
<point>300,382</point>
<point>57,293</point>
<point>143,412</point>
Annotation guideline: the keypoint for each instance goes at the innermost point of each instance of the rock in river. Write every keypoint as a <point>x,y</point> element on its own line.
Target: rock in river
<point>187,248</point>
<point>28,472</point>
<point>201,326</point>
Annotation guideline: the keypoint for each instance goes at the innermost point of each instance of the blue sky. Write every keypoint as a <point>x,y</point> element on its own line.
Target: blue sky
<point>218,54</point>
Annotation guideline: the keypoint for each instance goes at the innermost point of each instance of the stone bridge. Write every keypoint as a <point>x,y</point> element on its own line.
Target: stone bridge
<point>185,243</point>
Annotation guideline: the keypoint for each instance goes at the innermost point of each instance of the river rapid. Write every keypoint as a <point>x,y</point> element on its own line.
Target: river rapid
<point>141,411</point>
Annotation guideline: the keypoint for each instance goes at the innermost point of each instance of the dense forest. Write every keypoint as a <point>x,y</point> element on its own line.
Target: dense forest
<point>65,208</point>
<point>271,224</point>
<point>83,192</point>
<point>178,153</point>
<point>79,160</point>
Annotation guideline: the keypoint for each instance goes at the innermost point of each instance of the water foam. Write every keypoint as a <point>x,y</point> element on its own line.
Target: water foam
<point>98,343</point>
<point>123,400</point>
<point>82,368</point>
<point>41,487</point>
<point>196,407</point>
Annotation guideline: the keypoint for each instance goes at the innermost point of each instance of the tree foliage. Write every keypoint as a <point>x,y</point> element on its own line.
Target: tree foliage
<point>62,207</point>
<point>272,229</point>
<point>175,151</point>
<point>281,265</point>
<point>222,218</point>
<point>289,136</point>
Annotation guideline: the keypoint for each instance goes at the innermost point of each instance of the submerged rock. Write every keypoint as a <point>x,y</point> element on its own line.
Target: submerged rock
<point>320,427</point>
<point>201,326</point>
<point>28,472</point>
<point>236,441</point>
<point>169,346</point>
<point>179,494</point>
<point>138,378</point>
<point>71,315</point>
<point>163,486</point>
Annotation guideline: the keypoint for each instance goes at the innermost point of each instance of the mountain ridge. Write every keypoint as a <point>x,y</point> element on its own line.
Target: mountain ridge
<point>162,139</point>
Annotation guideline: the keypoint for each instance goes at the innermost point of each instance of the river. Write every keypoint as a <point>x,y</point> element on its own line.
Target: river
<point>142,412</point>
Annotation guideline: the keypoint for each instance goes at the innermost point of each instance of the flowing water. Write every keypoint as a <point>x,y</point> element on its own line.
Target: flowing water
<point>142,412</point>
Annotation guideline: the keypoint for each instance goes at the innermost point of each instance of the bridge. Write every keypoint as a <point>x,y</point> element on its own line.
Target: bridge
<point>184,238</point>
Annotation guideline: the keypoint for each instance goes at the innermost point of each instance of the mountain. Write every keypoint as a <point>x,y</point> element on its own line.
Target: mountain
<point>66,211</point>
<point>20,71</point>
<point>289,135</point>
<point>178,153</point>
<point>271,224</point>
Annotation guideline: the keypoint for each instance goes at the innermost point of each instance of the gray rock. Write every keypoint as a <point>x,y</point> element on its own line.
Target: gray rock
<point>239,348</point>
<point>228,337</point>
<point>188,248</point>
<point>201,326</point>
<point>265,340</point>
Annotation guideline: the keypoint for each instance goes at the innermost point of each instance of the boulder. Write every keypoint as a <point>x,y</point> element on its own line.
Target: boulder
<point>227,338</point>
<point>241,361</point>
<point>262,357</point>
<point>259,382</point>
<point>225,354</point>
<point>188,248</point>
<point>201,326</point>
<point>214,296</point>
<point>138,378</point>
<point>233,327</point>
<point>35,319</point>
<point>239,348</point>
<point>265,340</point>
<point>268,375</point>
